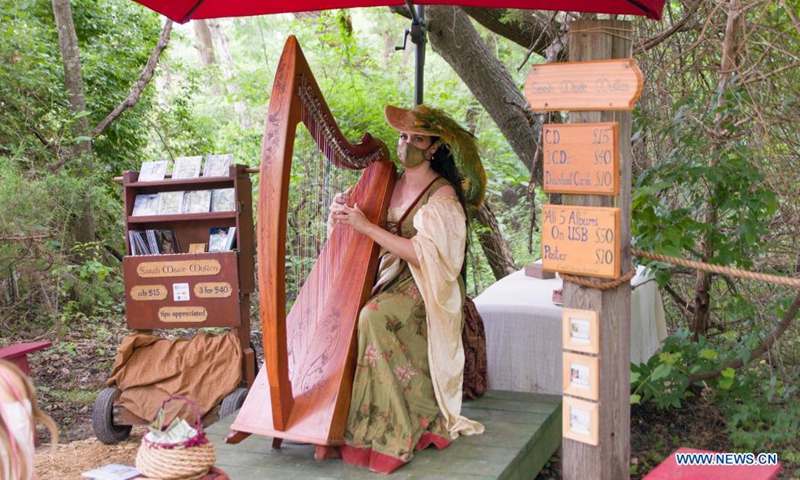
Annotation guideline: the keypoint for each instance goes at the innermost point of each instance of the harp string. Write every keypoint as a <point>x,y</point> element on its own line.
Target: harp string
<point>321,168</point>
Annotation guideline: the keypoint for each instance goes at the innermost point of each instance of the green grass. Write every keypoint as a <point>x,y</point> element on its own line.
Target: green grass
<point>74,396</point>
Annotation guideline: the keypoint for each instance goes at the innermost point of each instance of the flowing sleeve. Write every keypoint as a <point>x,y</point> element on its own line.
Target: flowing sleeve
<point>439,245</point>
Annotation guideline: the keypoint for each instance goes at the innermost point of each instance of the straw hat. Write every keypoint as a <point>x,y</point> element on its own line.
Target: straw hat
<point>434,122</point>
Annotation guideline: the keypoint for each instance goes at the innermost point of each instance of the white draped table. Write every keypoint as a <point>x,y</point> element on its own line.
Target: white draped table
<point>523,330</point>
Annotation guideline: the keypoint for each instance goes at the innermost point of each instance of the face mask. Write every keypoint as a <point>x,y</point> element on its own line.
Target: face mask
<point>410,155</point>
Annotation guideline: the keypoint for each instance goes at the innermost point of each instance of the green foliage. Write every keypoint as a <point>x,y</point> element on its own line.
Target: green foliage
<point>37,120</point>
<point>34,213</point>
<point>36,136</point>
<point>672,200</point>
<point>30,85</point>
<point>92,288</point>
<point>763,413</point>
<point>715,152</point>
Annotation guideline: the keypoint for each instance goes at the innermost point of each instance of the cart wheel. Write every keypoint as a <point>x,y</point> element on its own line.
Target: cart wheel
<point>103,419</point>
<point>232,402</point>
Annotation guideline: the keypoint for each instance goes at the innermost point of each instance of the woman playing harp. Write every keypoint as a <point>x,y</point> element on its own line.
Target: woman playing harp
<point>410,360</point>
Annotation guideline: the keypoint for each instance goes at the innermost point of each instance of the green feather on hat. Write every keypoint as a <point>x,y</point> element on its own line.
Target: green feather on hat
<point>434,122</point>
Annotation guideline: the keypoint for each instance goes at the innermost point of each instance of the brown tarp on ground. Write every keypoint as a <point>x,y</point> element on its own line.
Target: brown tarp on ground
<point>149,369</point>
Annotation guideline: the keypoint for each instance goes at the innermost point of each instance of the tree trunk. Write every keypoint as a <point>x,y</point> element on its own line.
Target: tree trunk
<point>495,246</point>
<point>205,45</point>
<point>221,40</point>
<point>730,50</point>
<point>83,226</point>
<point>453,36</point>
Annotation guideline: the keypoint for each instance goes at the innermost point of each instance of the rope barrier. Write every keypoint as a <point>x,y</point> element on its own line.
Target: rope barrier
<point>706,267</point>
<point>598,285</point>
<point>623,33</point>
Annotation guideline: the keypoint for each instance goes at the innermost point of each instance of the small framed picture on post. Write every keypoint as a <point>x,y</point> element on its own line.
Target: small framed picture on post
<point>581,375</point>
<point>580,331</point>
<point>579,420</point>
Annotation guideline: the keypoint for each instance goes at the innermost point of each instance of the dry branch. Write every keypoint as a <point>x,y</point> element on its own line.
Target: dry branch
<point>762,349</point>
<point>141,83</point>
<point>660,37</point>
<point>23,238</point>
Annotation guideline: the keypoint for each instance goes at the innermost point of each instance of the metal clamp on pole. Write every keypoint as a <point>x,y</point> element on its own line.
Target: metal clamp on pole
<point>419,37</point>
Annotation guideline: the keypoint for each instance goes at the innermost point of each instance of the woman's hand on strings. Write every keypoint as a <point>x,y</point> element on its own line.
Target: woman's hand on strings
<point>352,216</point>
<point>339,203</point>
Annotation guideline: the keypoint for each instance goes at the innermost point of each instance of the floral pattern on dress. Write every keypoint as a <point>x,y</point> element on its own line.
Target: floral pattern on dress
<point>413,292</point>
<point>371,354</point>
<point>405,372</point>
<point>371,306</point>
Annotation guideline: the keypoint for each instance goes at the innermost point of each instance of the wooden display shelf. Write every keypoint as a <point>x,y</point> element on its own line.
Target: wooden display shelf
<point>193,290</point>
<point>182,217</point>
<point>215,182</point>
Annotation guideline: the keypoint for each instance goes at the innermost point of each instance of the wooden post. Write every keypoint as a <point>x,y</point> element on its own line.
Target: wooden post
<point>610,459</point>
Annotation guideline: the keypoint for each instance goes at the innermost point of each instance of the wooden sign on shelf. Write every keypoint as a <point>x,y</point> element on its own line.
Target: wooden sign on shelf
<point>197,291</point>
<point>213,290</point>
<point>581,240</point>
<point>176,268</point>
<point>593,85</point>
<point>193,314</point>
<point>146,293</point>
<point>581,158</point>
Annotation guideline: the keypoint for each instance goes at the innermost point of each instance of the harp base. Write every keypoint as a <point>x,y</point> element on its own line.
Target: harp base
<point>235,437</point>
<point>324,453</point>
<point>305,425</point>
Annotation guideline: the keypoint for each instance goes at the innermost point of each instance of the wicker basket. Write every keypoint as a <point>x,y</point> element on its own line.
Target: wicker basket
<point>188,460</point>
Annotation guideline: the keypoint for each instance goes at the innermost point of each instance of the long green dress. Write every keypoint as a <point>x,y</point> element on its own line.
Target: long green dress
<point>393,408</point>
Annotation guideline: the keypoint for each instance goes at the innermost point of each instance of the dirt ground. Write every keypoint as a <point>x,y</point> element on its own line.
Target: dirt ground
<point>71,459</point>
<point>69,375</point>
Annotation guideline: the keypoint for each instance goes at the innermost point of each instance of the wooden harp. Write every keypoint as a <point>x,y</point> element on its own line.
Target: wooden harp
<point>303,393</point>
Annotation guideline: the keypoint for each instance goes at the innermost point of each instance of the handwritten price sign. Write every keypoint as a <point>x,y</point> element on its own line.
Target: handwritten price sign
<point>213,290</point>
<point>596,85</point>
<point>146,293</point>
<point>581,240</point>
<point>581,158</point>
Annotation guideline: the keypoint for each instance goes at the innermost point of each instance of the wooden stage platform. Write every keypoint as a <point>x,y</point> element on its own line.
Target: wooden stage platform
<point>522,431</point>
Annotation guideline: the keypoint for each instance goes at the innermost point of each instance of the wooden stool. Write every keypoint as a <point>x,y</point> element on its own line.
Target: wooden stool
<point>18,354</point>
<point>670,470</point>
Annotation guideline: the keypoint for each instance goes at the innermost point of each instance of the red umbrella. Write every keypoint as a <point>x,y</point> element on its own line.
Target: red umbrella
<point>184,10</point>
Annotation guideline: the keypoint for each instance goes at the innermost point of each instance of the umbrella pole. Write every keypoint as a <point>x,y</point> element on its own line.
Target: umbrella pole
<point>419,37</point>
